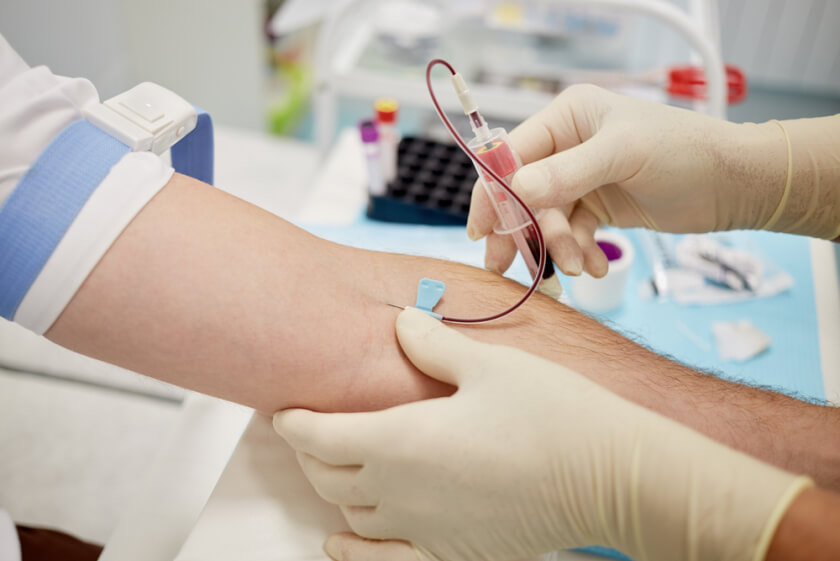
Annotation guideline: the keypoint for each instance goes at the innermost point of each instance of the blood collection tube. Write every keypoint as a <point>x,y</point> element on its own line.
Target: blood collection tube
<point>386,124</point>
<point>493,149</point>
<point>370,144</point>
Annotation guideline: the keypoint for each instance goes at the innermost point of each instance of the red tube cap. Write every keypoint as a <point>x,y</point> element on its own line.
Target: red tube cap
<point>499,157</point>
<point>386,110</point>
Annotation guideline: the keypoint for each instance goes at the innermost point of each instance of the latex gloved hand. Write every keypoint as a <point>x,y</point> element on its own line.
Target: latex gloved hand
<point>528,457</point>
<point>595,157</point>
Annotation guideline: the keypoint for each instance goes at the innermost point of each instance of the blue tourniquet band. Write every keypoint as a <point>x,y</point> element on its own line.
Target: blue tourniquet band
<point>46,201</point>
<point>193,156</point>
<point>38,213</point>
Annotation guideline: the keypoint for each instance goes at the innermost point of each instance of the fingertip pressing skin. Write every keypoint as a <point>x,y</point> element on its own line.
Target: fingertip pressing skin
<point>281,419</point>
<point>413,323</point>
<point>433,347</point>
<point>413,328</point>
<point>295,426</point>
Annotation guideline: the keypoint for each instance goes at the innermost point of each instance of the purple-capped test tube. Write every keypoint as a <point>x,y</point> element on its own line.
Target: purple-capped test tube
<point>370,144</point>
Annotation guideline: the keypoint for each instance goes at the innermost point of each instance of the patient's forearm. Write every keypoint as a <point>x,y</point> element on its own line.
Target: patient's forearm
<point>208,292</point>
<point>789,433</point>
<point>211,293</point>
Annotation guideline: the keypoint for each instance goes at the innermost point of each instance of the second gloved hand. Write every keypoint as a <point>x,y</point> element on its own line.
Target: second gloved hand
<point>525,458</point>
<point>596,157</point>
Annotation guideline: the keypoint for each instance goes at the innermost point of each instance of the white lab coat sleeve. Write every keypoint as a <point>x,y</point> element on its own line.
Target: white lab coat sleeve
<point>9,543</point>
<point>35,106</point>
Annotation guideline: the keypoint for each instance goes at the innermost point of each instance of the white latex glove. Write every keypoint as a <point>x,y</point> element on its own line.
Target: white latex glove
<point>528,457</point>
<point>595,157</point>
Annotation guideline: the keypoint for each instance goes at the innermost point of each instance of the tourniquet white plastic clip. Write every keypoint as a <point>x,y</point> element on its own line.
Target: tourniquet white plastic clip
<point>429,293</point>
<point>148,117</point>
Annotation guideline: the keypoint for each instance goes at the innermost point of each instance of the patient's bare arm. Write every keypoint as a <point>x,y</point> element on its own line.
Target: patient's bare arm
<point>208,292</point>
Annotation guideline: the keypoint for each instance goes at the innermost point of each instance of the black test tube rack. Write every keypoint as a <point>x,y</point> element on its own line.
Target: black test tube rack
<point>433,185</point>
